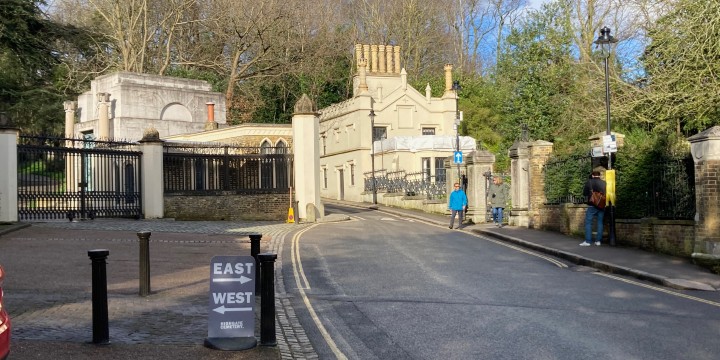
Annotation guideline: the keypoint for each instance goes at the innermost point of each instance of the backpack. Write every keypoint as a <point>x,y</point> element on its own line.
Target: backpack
<point>597,199</point>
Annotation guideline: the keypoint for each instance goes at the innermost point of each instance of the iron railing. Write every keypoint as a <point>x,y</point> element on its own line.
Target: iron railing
<point>411,184</point>
<point>77,178</point>
<point>209,169</point>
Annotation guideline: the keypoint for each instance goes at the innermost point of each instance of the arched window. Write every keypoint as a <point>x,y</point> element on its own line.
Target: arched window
<point>266,147</point>
<point>281,147</point>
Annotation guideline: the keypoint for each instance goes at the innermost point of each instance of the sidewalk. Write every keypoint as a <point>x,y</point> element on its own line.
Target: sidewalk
<point>48,289</point>
<point>673,272</point>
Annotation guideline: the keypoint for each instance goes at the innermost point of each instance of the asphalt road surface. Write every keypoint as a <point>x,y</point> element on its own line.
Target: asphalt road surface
<point>383,287</point>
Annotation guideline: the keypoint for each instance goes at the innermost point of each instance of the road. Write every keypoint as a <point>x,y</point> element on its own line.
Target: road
<point>383,287</point>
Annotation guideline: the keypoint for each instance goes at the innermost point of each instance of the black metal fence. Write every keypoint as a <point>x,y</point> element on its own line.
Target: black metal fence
<point>212,168</point>
<point>664,189</point>
<point>77,178</point>
<point>565,179</point>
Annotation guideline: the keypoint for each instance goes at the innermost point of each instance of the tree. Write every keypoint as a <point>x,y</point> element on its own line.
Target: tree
<point>682,63</point>
<point>29,62</point>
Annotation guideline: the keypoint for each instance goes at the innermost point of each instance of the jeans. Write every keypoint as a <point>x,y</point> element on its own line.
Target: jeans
<point>589,215</point>
<point>497,215</point>
<point>452,217</point>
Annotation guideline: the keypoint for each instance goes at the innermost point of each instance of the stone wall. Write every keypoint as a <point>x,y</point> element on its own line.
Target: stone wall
<point>402,201</point>
<point>227,206</point>
<point>672,237</point>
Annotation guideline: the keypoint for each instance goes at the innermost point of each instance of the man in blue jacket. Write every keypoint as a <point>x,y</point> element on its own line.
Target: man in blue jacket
<point>457,205</point>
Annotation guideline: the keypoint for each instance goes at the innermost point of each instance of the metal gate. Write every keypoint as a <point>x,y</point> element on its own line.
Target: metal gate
<point>62,178</point>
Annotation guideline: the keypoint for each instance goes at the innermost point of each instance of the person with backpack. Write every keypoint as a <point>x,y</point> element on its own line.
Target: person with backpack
<point>595,209</point>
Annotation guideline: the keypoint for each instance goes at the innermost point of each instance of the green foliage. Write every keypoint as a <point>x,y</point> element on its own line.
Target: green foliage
<point>654,177</point>
<point>682,64</point>
<point>539,84</point>
<point>565,177</point>
<point>30,68</point>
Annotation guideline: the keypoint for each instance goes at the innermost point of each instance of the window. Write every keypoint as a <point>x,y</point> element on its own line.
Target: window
<point>379,133</point>
<point>439,169</point>
<point>281,147</point>
<point>426,168</point>
<point>428,131</point>
<point>323,138</point>
<point>325,178</point>
<point>265,147</point>
<point>352,174</point>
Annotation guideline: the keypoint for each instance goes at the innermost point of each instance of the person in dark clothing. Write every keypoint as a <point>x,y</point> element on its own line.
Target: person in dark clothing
<point>593,184</point>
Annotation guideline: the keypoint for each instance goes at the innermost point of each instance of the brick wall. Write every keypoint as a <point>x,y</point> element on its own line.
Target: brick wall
<point>707,186</point>
<point>227,206</point>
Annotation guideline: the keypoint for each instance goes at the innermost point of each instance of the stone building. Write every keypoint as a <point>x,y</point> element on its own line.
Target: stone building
<point>122,105</point>
<point>410,131</point>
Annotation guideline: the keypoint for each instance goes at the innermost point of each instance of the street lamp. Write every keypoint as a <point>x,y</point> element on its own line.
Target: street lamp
<point>456,88</point>
<point>372,153</point>
<point>605,41</point>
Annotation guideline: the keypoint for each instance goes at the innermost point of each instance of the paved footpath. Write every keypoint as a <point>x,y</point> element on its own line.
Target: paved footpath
<point>48,289</point>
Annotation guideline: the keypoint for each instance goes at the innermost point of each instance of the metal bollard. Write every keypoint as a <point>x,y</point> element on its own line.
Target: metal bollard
<point>101,331</point>
<point>267,302</point>
<point>254,251</point>
<point>144,237</point>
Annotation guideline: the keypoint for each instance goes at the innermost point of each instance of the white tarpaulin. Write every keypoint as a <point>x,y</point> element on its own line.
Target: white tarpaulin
<point>426,142</point>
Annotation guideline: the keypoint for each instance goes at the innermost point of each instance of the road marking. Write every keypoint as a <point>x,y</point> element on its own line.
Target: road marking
<point>298,272</point>
<point>667,291</point>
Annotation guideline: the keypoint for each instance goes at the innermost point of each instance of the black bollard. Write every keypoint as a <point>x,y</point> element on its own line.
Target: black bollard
<point>144,237</point>
<point>254,251</point>
<point>101,331</point>
<point>267,302</point>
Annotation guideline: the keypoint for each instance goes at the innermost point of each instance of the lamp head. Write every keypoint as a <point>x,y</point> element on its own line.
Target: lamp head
<point>456,86</point>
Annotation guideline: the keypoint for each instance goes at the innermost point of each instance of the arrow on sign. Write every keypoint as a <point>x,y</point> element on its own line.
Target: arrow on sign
<point>241,279</point>
<point>223,309</point>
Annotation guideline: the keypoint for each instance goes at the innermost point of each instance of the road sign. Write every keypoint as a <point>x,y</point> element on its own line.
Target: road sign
<point>609,144</point>
<point>232,301</point>
<point>458,157</point>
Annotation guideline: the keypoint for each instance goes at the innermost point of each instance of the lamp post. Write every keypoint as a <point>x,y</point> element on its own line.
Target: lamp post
<point>372,154</point>
<point>456,88</point>
<point>605,41</point>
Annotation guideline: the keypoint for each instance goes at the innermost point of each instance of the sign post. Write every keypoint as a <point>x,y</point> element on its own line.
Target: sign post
<point>231,316</point>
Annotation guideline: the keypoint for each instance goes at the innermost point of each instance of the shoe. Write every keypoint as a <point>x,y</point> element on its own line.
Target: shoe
<point>450,227</point>
<point>500,225</point>
<point>585,244</point>
<point>597,243</point>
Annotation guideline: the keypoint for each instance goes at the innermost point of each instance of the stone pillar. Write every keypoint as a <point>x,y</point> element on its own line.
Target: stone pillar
<point>539,153</point>
<point>373,58</point>
<point>705,149</point>
<point>70,107</point>
<point>520,187</point>
<point>211,124</point>
<point>71,159</point>
<point>153,201</point>
<point>448,80</point>
<point>358,55</point>
<point>389,58</point>
<point>103,116</point>
<point>478,163</point>
<point>306,149</point>
<point>362,69</point>
<point>8,179</point>
<point>381,58</point>
<point>396,48</point>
